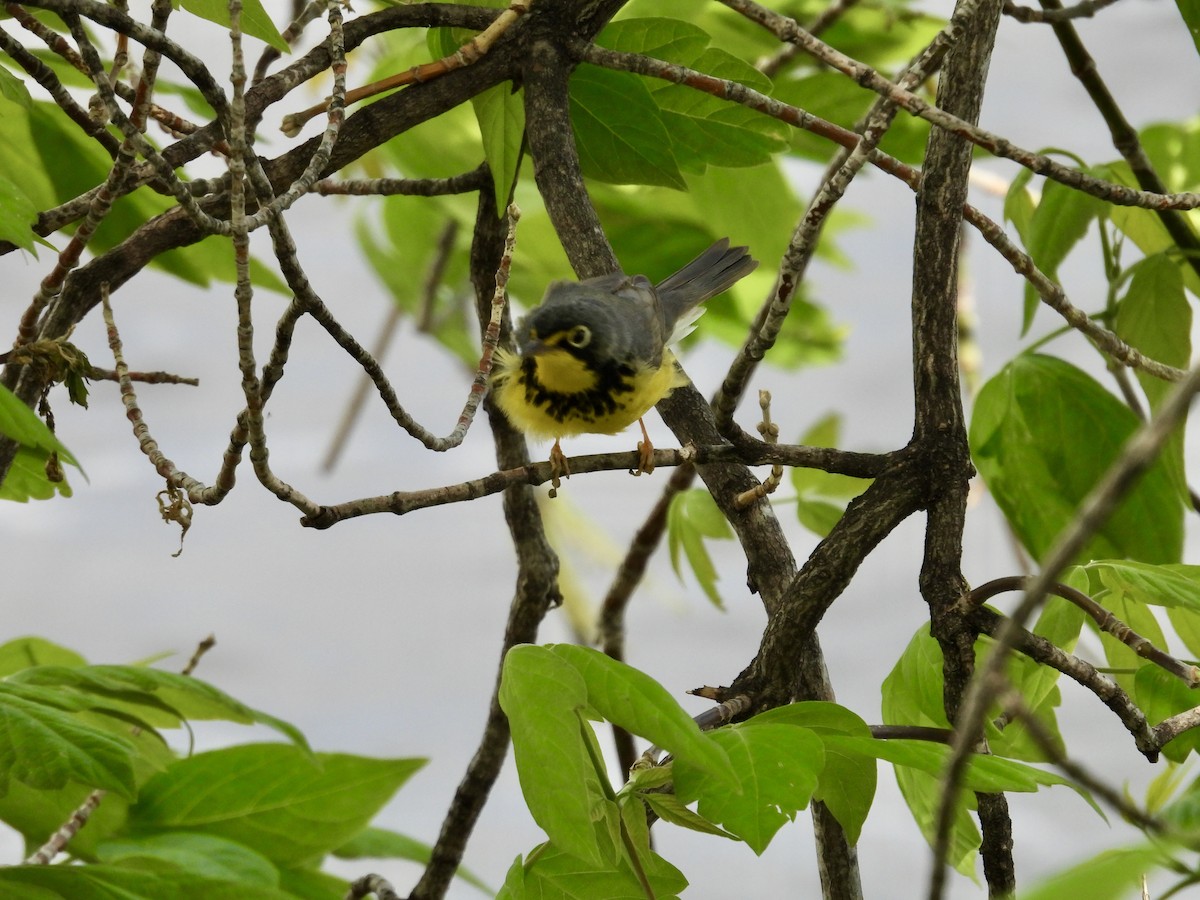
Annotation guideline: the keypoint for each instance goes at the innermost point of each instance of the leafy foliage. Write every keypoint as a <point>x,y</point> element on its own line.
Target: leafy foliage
<point>1027,421</point>
<point>241,821</point>
<point>33,471</point>
<point>668,169</point>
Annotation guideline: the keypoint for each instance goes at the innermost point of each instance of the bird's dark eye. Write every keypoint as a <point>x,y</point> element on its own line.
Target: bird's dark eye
<point>579,336</point>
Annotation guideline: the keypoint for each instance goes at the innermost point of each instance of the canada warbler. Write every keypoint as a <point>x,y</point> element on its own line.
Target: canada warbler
<point>594,356</point>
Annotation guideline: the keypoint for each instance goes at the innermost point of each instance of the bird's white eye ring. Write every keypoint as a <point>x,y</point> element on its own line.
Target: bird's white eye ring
<point>579,336</point>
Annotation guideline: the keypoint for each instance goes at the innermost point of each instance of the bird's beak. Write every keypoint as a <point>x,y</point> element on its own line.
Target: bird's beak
<point>534,348</point>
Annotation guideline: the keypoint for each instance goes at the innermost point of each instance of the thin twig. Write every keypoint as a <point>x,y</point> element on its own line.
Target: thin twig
<point>59,840</point>
<point>465,55</point>
<point>95,373</point>
<point>787,29</point>
<point>1013,703</point>
<point>202,648</point>
<point>1169,729</point>
<point>1083,673</point>
<point>770,432</point>
<point>1124,136</point>
<point>408,187</point>
<point>1104,619</point>
<point>1084,9</point>
<point>46,77</point>
<point>403,502</point>
<point>771,65</point>
<point>371,884</point>
<point>433,281</point>
<point>295,28</point>
<point>146,443</point>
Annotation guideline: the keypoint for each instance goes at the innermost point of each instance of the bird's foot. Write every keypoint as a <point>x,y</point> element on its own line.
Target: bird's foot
<point>559,468</point>
<point>645,453</point>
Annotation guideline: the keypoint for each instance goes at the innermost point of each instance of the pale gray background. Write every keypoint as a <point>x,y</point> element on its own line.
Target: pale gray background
<point>381,635</point>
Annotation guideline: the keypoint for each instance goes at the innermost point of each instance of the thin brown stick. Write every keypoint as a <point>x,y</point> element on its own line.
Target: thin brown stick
<point>465,55</point>
<point>433,281</point>
<point>1084,9</point>
<point>1104,619</point>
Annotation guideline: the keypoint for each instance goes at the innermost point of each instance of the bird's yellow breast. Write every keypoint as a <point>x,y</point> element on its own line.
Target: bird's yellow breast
<point>555,395</point>
<point>563,373</point>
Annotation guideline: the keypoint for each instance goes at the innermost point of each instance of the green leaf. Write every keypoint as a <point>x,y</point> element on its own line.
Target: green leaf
<point>13,90</point>
<point>401,242</point>
<point>847,783</point>
<point>672,40</point>
<point>36,813</point>
<point>816,491</point>
<point>1109,875</point>
<point>44,746</point>
<point>777,768</point>
<point>692,517</point>
<point>255,21</point>
<point>836,98</point>
<point>550,873</point>
<point>500,112</point>
<point>1060,622</point>
<point>291,806</point>
<point>199,854</point>
<point>27,479</point>
<point>380,843</point>
<point>707,131</point>
<point>1042,435</point>
<point>545,698</point>
<point>642,706</point>
<point>1019,204</point>
<point>212,259</point>
<point>181,697</point>
<point>22,424</point>
<point>1184,811</point>
<point>1160,695</point>
<point>1172,586</point>
<point>54,137</point>
<point>882,35</point>
<point>1161,790</point>
<point>1190,11</point>
<point>1122,658</point>
<point>825,432</point>
<point>1155,317</point>
<point>547,694</point>
<point>619,131</point>
<point>912,691</point>
<point>819,516</point>
<point>1059,222</point>
<point>1175,587</point>
<point>18,213</point>
<point>983,773</point>
<point>702,129</point>
<point>27,652</point>
<point>120,883</point>
<point>671,809</point>
<point>912,695</point>
<point>312,884</point>
<point>1174,148</point>
<point>1143,226</point>
<point>920,767</point>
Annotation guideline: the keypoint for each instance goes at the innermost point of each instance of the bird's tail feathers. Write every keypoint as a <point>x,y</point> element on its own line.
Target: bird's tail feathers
<point>713,271</point>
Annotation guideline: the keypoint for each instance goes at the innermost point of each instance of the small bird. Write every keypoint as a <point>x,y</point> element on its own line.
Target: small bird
<point>594,357</point>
